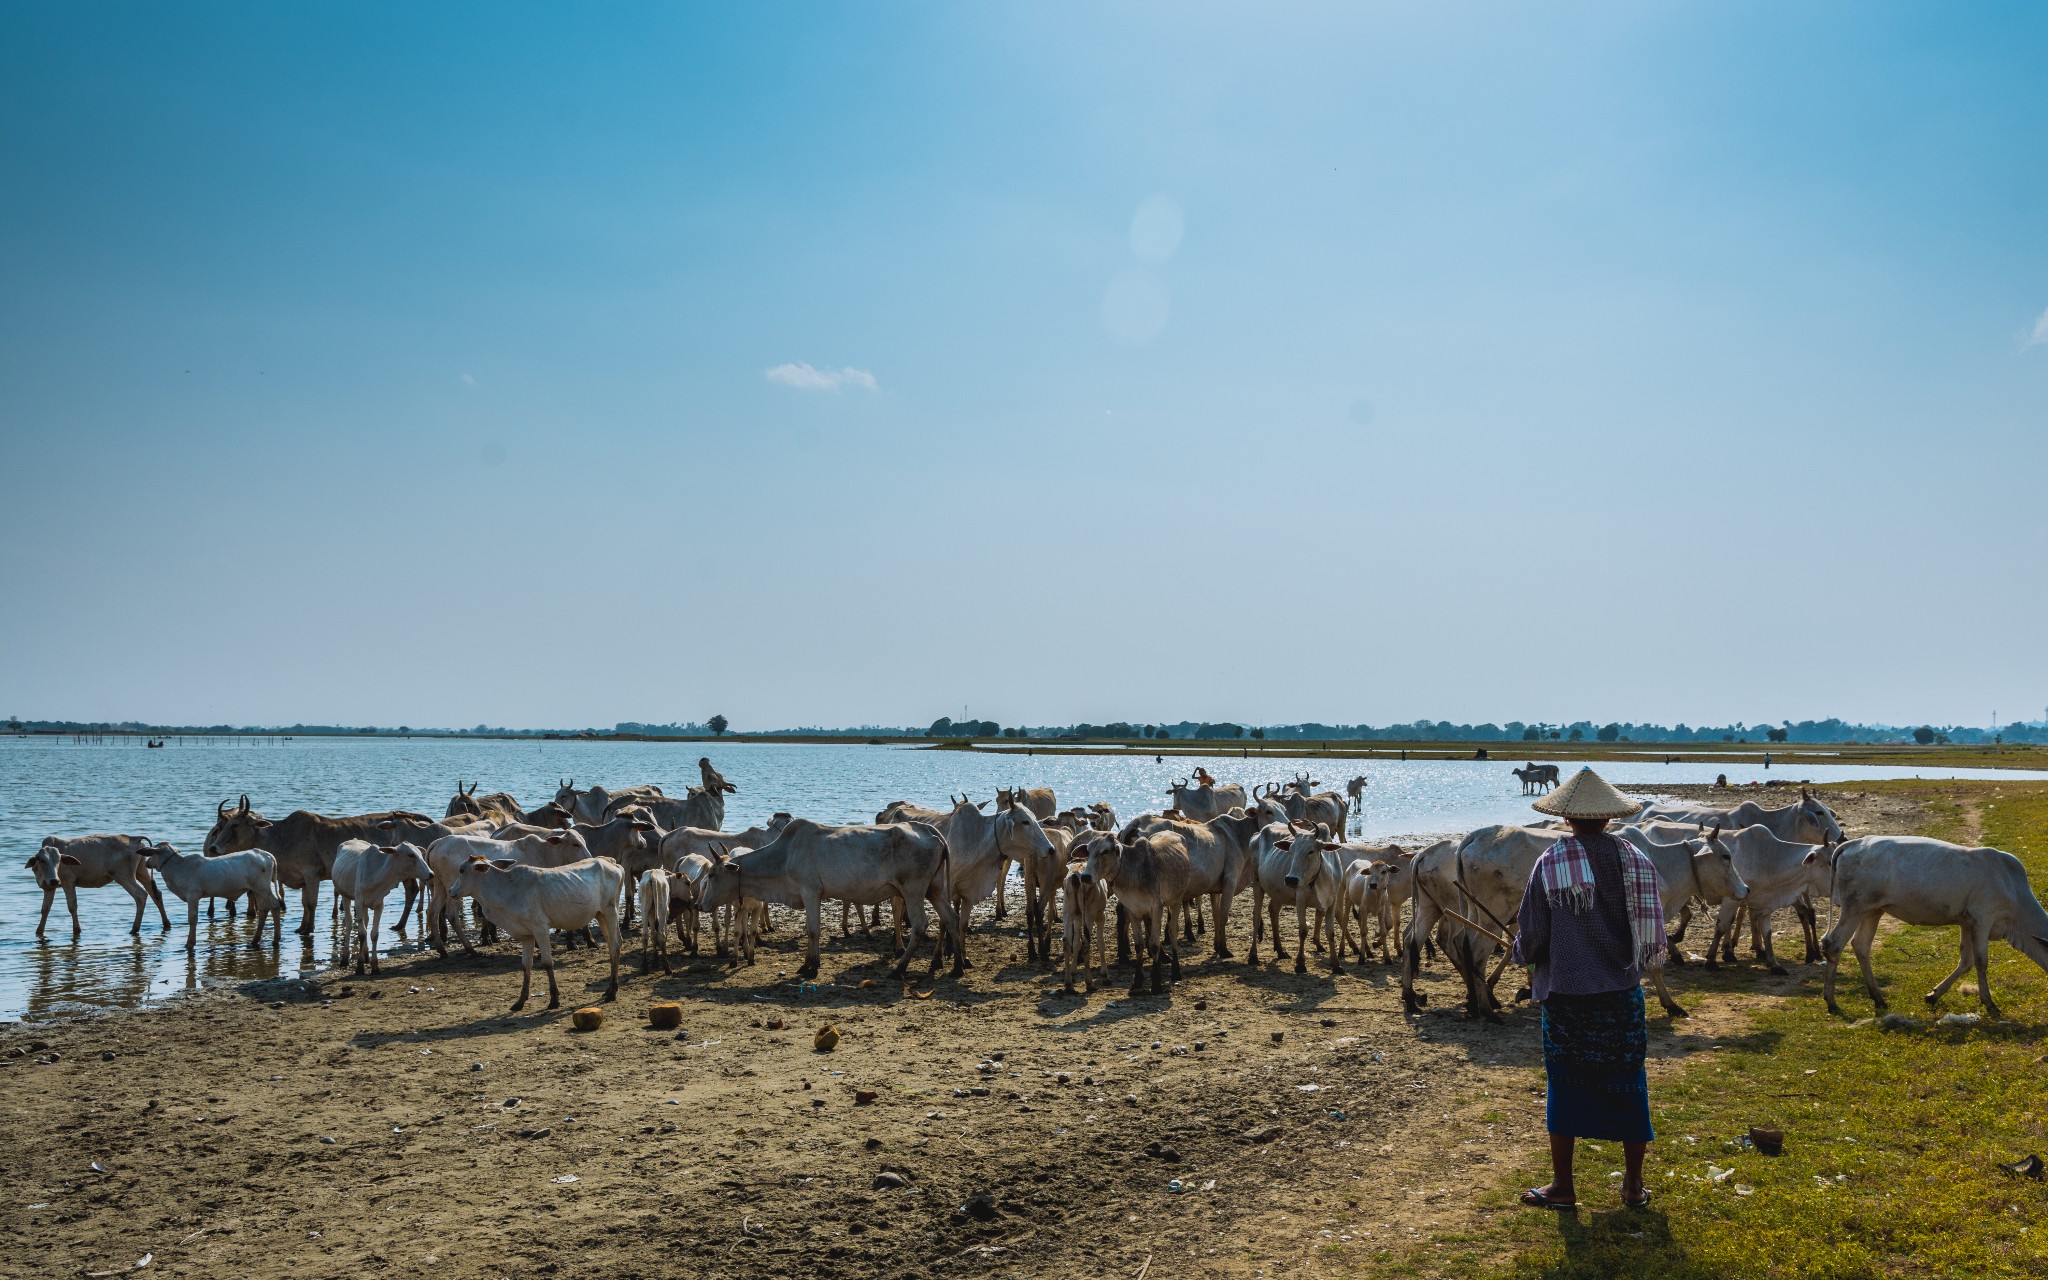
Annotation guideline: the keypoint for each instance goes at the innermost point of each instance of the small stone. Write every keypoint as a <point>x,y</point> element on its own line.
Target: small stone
<point>872,1144</point>
<point>510,1102</point>
<point>1278,1036</point>
<point>1063,1077</point>
<point>889,1179</point>
<point>107,1056</point>
<point>535,1133</point>
<point>1201,1004</point>
<point>1131,1099</point>
<point>476,1066</point>
<point>997,1056</point>
<point>326,1142</point>
<point>862,1097</point>
<point>277,1004</point>
<point>1329,1022</point>
<point>1201,1045</point>
<point>1262,1134</point>
<point>987,1068</point>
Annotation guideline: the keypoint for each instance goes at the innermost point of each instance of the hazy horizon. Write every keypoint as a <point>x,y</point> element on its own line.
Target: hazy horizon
<point>521,365</point>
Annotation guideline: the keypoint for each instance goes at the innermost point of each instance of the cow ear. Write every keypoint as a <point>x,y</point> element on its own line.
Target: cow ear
<point>67,860</point>
<point>262,822</point>
<point>554,840</point>
<point>502,864</point>
<point>31,863</point>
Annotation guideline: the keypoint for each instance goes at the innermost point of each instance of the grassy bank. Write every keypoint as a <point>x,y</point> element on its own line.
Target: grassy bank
<point>1893,1135</point>
<point>1785,759</point>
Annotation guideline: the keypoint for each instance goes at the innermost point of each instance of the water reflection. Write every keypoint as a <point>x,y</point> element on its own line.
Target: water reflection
<point>54,787</point>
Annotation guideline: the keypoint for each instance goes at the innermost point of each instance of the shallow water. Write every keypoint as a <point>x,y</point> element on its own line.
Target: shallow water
<point>55,787</point>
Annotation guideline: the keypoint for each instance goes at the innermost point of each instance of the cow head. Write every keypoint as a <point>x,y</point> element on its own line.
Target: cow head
<point>1104,858</point>
<point>1819,818</point>
<point>234,829</point>
<point>565,795</point>
<point>714,781</point>
<point>1006,797</point>
<point>1713,867</point>
<point>464,802</point>
<point>46,861</point>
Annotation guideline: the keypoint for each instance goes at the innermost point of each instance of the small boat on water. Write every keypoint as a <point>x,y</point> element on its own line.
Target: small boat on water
<point>154,742</point>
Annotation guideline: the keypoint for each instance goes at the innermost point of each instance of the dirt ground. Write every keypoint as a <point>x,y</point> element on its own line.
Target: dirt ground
<point>1252,1123</point>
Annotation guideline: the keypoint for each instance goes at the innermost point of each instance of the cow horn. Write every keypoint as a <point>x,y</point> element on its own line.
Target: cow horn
<point>220,811</point>
<point>245,802</point>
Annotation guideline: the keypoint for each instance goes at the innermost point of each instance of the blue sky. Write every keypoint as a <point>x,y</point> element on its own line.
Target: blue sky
<point>562,364</point>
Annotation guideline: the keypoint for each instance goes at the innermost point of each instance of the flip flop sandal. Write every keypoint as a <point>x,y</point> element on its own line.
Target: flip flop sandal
<point>1535,1199</point>
<point>1642,1203</point>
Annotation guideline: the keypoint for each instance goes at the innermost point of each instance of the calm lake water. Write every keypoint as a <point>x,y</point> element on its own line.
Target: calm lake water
<point>54,787</point>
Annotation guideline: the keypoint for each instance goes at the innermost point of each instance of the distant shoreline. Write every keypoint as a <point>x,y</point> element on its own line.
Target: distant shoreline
<point>1782,755</point>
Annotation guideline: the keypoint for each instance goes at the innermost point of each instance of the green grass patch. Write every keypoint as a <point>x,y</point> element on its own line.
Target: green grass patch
<point>1892,1136</point>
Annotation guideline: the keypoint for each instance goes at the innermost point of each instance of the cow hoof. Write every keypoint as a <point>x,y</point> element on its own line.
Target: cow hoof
<point>1300,967</point>
<point>1932,999</point>
<point>1068,989</point>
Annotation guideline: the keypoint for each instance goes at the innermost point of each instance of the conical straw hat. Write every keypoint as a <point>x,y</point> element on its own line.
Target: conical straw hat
<point>1588,795</point>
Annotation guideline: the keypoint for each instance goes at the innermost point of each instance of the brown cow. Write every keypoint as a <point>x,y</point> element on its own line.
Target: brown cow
<point>303,843</point>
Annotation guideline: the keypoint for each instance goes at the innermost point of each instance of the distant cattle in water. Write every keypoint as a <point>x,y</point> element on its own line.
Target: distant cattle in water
<point>1536,778</point>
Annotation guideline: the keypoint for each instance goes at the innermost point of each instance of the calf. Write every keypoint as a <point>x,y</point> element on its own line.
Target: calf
<point>193,877</point>
<point>654,895</point>
<point>1149,876</point>
<point>1082,904</point>
<point>527,902</point>
<point>92,862</point>
<point>364,875</point>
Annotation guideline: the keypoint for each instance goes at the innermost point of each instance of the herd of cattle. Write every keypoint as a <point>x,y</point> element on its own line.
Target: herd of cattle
<point>606,856</point>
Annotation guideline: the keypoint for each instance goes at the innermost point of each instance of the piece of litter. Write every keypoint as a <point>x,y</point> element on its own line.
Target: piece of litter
<point>1210,1185</point>
<point>567,1177</point>
<point>1959,1019</point>
<point>97,1167</point>
<point>1718,1174</point>
<point>1308,1088</point>
<point>136,1265</point>
<point>1741,1190</point>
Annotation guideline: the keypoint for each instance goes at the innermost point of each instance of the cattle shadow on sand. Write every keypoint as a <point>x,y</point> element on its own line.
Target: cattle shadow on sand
<point>1111,1006</point>
<point>496,1024</point>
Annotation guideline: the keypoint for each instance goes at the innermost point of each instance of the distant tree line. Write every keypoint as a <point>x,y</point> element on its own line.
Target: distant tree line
<point>1785,731</point>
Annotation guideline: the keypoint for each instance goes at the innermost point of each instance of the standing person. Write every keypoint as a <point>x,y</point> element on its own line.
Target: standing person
<point>1592,922</point>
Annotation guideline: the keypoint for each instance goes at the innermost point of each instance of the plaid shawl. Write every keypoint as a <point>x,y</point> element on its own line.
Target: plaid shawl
<point>1567,876</point>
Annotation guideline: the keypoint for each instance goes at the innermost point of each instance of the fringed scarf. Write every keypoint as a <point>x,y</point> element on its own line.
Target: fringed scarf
<point>1566,871</point>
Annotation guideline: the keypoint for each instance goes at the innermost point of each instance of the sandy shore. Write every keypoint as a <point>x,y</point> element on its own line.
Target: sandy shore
<point>407,1122</point>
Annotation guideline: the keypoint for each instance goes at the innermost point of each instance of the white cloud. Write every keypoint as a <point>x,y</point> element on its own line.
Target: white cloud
<point>2039,337</point>
<point>470,379</point>
<point>804,378</point>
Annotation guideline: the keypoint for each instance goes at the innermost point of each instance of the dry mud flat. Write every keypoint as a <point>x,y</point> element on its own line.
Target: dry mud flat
<point>407,1123</point>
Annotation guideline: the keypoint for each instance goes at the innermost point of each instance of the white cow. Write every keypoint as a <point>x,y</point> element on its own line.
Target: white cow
<point>809,862</point>
<point>1297,866</point>
<point>364,875</point>
<point>527,902</point>
<point>1481,879</point>
<point>1779,874</point>
<point>193,877</point>
<point>448,856</point>
<point>1983,891</point>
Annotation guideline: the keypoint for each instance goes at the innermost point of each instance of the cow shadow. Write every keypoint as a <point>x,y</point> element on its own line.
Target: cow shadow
<point>498,1024</point>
